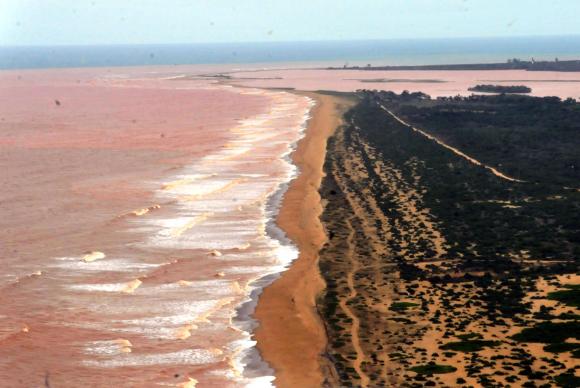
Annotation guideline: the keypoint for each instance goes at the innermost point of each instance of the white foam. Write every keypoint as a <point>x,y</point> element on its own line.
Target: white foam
<point>127,287</point>
<point>109,265</point>
<point>182,357</point>
<point>108,348</point>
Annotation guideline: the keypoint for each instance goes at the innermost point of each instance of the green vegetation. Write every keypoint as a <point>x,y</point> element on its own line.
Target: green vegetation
<point>570,297</point>
<point>565,316</point>
<point>572,286</point>
<point>561,347</point>
<point>568,380</point>
<point>402,306</point>
<point>432,368</point>
<point>513,133</point>
<point>500,89</point>
<point>549,332</point>
<point>469,345</point>
<point>499,236</point>
<point>487,220</point>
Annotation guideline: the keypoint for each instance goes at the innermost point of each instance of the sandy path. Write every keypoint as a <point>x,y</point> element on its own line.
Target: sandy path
<point>452,149</point>
<point>291,336</point>
<point>354,329</point>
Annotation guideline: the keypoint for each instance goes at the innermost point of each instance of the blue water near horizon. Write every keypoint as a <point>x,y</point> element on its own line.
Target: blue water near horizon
<point>375,52</point>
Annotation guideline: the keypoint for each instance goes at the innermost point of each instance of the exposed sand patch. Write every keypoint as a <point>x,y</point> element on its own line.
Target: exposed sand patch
<point>355,327</point>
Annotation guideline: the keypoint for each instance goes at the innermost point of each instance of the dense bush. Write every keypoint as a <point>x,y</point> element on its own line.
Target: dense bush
<point>432,368</point>
<point>469,345</point>
<point>500,89</point>
<point>570,297</point>
<point>549,332</point>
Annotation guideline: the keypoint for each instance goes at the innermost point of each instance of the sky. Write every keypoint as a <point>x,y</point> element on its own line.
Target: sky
<point>86,22</point>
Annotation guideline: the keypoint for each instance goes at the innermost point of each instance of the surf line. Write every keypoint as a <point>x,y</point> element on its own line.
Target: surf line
<point>452,149</point>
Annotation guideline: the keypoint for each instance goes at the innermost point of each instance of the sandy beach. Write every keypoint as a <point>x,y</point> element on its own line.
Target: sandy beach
<point>291,337</point>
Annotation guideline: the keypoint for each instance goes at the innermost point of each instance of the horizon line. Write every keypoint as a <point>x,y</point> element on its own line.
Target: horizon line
<point>502,37</point>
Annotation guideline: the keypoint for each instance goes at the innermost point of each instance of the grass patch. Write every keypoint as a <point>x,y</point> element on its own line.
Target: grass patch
<point>469,346</point>
<point>402,306</point>
<point>432,369</point>
<point>549,332</point>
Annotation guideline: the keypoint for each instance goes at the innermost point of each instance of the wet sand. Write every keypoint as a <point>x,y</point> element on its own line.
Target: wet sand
<point>291,336</point>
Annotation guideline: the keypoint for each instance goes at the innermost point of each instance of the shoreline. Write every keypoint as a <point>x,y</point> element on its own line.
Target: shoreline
<point>291,336</point>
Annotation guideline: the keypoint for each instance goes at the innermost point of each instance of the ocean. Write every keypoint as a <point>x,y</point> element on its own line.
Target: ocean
<point>375,52</point>
<point>138,226</point>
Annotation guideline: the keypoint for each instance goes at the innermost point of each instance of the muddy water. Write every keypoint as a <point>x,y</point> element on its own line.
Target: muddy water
<point>435,83</point>
<point>134,219</point>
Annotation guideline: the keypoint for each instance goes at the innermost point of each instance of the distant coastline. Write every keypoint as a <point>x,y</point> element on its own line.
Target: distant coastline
<point>510,64</point>
<point>399,52</point>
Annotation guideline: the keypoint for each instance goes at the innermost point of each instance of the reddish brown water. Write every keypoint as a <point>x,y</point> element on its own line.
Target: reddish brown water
<point>133,221</point>
<point>434,83</point>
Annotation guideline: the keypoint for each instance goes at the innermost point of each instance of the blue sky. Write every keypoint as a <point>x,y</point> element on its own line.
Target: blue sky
<point>57,22</point>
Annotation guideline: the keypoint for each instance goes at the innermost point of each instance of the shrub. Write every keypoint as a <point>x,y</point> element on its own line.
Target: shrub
<point>402,306</point>
<point>469,346</point>
<point>568,380</point>
<point>431,369</point>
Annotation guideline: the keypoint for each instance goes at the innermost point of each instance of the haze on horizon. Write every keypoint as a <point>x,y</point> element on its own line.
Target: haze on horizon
<point>88,22</point>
